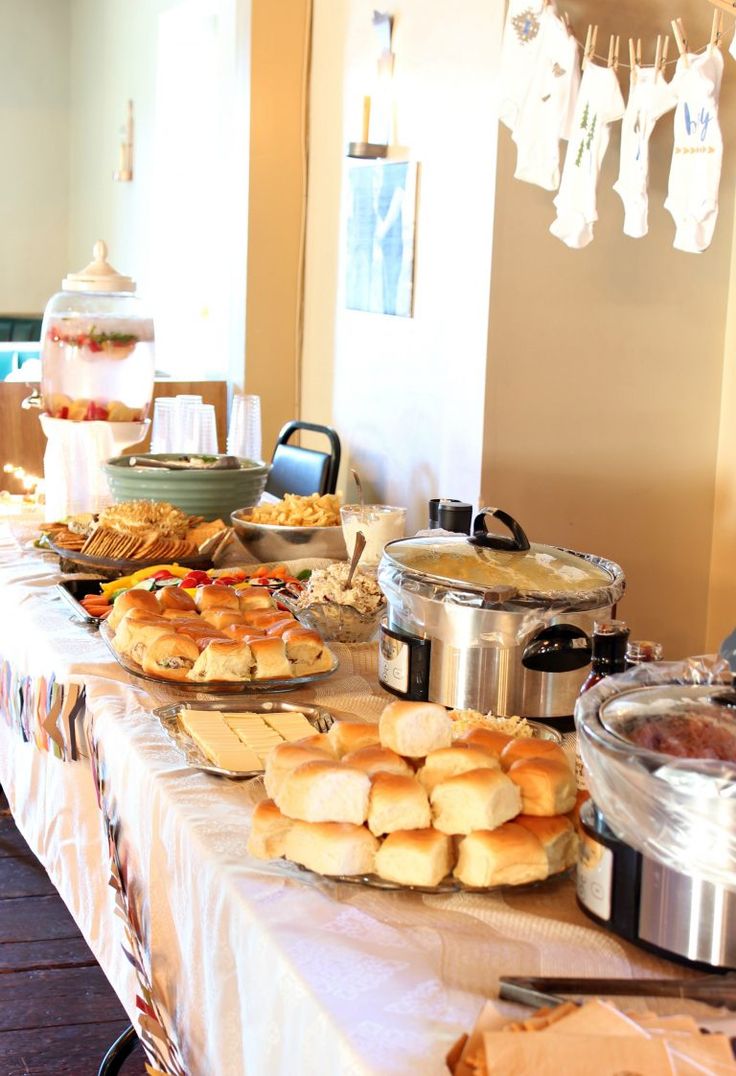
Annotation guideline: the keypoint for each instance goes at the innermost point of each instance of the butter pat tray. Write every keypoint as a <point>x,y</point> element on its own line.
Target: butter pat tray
<point>168,717</point>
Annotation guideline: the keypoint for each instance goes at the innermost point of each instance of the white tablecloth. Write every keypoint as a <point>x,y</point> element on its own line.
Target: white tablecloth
<point>255,968</point>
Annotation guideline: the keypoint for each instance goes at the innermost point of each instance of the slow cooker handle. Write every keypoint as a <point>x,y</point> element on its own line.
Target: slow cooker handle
<point>482,537</point>
<point>557,649</point>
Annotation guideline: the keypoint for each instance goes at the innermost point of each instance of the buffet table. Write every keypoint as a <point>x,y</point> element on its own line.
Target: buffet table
<point>227,964</point>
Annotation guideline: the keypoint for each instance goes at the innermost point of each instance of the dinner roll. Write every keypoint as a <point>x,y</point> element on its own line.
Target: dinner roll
<point>134,634</point>
<point>378,760</point>
<point>170,656</point>
<point>302,644</point>
<point>415,857</point>
<point>264,618</point>
<point>509,855</point>
<point>268,831</point>
<point>547,786</point>
<point>280,627</point>
<point>222,618</point>
<point>331,847</point>
<point>143,600</point>
<point>284,758</point>
<point>531,748</point>
<point>346,736</point>
<point>397,802</point>
<point>449,761</point>
<point>558,839</point>
<point>478,799</point>
<point>177,614</point>
<point>270,658</point>
<point>175,598</point>
<point>325,792</point>
<point>415,728</point>
<point>488,739</point>
<point>244,633</point>
<point>216,597</point>
<point>224,659</point>
<point>321,741</point>
<point>255,597</point>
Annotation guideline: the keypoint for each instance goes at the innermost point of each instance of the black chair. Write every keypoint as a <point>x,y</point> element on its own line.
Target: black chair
<point>303,470</point>
<point>119,1053</point>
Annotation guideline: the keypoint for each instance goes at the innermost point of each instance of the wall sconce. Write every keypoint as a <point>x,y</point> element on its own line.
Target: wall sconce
<point>124,173</point>
<point>379,107</point>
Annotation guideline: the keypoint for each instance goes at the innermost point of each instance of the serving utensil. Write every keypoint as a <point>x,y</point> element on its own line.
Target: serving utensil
<point>221,463</point>
<point>716,990</point>
<point>357,554</point>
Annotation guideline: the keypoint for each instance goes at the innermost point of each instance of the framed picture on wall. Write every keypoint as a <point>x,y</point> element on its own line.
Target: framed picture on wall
<point>381,215</point>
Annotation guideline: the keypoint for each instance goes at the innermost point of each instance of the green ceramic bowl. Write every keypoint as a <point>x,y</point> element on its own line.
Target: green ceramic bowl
<point>212,494</point>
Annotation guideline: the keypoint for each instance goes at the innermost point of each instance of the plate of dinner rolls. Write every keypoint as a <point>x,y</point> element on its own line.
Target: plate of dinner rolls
<point>220,639</point>
<point>401,804</point>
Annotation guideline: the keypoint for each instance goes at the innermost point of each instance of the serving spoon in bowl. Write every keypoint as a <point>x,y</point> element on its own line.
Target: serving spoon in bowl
<point>358,549</point>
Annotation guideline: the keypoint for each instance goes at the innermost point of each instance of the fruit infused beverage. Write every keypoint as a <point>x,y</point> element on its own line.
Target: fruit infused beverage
<point>97,348</point>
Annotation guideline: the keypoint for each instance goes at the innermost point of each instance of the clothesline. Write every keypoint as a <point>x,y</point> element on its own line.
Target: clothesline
<point>589,54</point>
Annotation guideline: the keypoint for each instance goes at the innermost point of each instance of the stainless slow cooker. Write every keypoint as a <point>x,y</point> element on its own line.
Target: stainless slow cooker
<point>658,852</point>
<point>492,622</point>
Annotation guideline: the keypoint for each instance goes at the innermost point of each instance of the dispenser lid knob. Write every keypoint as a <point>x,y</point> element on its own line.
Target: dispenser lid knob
<point>99,275</point>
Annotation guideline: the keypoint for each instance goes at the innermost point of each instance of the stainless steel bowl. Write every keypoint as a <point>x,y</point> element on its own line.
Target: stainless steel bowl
<point>269,542</point>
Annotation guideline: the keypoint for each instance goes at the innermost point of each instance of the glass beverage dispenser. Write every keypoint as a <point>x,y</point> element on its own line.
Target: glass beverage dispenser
<point>97,374</point>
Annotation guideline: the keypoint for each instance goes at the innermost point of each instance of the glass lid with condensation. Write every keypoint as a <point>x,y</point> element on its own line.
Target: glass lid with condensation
<point>680,720</point>
<point>541,569</point>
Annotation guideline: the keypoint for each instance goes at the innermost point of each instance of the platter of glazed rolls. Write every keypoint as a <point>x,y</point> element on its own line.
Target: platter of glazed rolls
<point>221,640</point>
<point>401,804</point>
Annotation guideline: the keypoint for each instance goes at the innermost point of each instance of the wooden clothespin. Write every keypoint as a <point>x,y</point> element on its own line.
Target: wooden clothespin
<point>665,50</point>
<point>680,37</point>
<point>613,46</point>
<point>658,54</point>
<point>638,52</point>
<point>566,17</point>
<point>716,29</point>
<point>590,39</point>
<point>729,6</point>
<point>632,59</point>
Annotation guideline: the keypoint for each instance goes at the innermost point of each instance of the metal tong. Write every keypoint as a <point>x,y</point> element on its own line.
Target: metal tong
<point>716,990</point>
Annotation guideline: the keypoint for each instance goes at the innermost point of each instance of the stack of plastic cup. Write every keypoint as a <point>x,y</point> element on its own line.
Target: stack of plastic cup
<point>244,432</point>
<point>164,420</point>
<point>204,434</point>
<point>185,425</point>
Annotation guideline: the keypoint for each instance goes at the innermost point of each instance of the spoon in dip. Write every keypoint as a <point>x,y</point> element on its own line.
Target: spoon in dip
<point>357,554</point>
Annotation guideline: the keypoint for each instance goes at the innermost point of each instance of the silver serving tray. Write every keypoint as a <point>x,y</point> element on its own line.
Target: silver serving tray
<point>213,687</point>
<point>168,717</point>
<point>447,885</point>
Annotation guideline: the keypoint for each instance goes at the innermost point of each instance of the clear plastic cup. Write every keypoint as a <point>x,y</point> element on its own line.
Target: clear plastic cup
<point>244,433</point>
<point>164,420</point>
<point>204,433</point>
<point>380,523</point>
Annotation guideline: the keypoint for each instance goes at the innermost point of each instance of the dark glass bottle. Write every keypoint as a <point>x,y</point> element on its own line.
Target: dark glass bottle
<point>608,651</point>
<point>641,651</point>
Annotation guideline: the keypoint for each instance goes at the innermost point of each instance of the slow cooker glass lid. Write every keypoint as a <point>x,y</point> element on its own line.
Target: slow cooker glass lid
<point>539,569</point>
<point>678,720</point>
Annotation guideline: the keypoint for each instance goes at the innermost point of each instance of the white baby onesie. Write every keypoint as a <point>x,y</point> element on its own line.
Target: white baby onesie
<point>599,104</point>
<point>547,114</point>
<point>519,52</point>
<point>695,173</point>
<point>650,96</point>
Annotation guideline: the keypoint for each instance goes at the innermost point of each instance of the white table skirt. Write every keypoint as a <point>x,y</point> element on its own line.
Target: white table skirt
<point>255,968</point>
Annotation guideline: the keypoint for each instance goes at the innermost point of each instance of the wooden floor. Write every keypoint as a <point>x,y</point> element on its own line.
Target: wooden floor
<point>58,1013</point>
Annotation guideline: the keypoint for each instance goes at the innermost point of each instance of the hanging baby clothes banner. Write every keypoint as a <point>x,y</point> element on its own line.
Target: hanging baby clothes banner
<point>695,173</point>
<point>547,113</point>
<point>599,104</point>
<point>519,51</point>
<point>650,96</point>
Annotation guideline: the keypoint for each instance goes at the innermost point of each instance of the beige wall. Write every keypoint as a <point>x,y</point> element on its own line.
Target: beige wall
<point>34,135</point>
<point>279,57</point>
<point>604,374</point>
<point>406,395</point>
